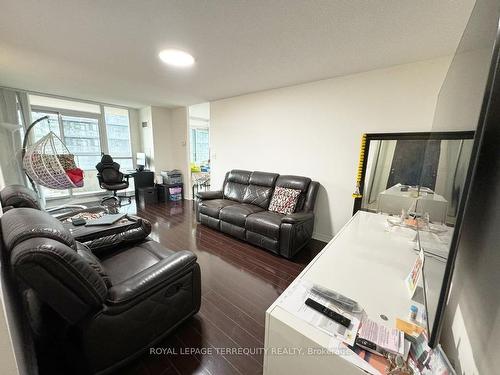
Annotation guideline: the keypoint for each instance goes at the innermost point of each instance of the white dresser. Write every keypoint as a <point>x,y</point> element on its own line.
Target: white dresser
<point>365,262</point>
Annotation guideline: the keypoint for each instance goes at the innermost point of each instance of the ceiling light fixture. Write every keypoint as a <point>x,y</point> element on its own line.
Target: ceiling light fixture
<point>175,57</point>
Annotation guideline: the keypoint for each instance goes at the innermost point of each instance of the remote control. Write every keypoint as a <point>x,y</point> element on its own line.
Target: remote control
<point>336,317</point>
<point>78,221</point>
<point>337,299</point>
<point>369,346</point>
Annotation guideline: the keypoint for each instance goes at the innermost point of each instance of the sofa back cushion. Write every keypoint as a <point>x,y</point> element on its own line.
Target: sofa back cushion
<point>236,184</point>
<point>20,224</point>
<point>260,189</point>
<point>296,183</point>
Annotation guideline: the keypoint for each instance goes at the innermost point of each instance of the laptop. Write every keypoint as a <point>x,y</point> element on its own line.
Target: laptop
<point>105,220</point>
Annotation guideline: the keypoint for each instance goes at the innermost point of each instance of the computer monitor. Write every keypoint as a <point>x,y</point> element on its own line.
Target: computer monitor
<point>141,160</point>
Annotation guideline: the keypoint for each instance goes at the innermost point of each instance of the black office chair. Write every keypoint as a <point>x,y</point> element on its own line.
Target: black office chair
<point>111,179</point>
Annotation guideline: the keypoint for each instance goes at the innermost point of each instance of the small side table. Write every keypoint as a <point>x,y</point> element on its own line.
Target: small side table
<point>200,180</point>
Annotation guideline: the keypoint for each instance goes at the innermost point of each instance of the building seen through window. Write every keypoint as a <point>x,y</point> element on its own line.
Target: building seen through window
<point>87,130</point>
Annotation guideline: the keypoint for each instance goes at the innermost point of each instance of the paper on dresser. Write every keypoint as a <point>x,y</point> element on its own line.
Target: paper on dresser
<point>390,339</point>
<point>294,299</point>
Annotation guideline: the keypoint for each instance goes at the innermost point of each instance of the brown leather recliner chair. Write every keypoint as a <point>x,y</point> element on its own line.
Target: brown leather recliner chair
<point>100,312</point>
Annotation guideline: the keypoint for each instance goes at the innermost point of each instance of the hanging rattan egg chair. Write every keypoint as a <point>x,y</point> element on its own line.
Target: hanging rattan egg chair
<point>49,163</point>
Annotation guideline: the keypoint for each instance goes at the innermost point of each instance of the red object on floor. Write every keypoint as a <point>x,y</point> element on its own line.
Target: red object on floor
<point>76,176</point>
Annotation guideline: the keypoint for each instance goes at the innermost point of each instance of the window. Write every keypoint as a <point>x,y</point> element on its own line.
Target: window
<point>71,105</point>
<point>81,136</point>
<point>44,127</point>
<point>118,133</point>
<point>200,151</point>
<point>87,130</point>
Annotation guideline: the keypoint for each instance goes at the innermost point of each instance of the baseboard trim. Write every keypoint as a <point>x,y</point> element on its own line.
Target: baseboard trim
<point>322,237</point>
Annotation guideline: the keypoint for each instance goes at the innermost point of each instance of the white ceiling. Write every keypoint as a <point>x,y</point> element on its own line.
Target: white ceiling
<point>107,50</point>
<point>201,111</point>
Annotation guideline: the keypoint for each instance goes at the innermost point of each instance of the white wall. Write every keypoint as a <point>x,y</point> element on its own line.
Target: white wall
<point>10,140</point>
<point>164,140</point>
<point>314,129</point>
<point>471,325</point>
<point>135,132</point>
<point>147,135</point>
<point>201,111</point>
<point>178,145</point>
<point>162,136</point>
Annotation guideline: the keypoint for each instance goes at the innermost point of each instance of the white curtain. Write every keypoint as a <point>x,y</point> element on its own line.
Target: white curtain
<point>11,132</point>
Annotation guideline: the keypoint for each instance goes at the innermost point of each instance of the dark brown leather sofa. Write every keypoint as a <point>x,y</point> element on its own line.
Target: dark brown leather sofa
<point>241,210</point>
<point>94,312</point>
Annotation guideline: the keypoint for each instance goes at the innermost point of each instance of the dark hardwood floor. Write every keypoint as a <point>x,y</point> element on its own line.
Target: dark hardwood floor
<point>239,282</point>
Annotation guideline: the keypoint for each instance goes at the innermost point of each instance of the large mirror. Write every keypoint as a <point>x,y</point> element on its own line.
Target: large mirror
<point>417,180</point>
<point>429,175</point>
<point>395,179</point>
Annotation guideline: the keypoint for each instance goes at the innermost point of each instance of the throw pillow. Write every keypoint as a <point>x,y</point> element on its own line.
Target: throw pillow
<point>67,161</point>
<point>284,200</point>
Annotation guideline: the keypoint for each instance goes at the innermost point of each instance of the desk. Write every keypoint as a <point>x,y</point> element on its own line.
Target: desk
<point>364,262</point>
<point>141,179</point>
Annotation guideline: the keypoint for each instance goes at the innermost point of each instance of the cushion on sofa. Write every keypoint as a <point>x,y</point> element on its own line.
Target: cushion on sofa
<point>236,185</point>
<point>266,223</point>
<point>237,213</point>
<point>263,179</point>
<point>284,200</point>
<point>260,188</point>
<point>213,207</point>
<point>133,260</point>
<point>298,183</point>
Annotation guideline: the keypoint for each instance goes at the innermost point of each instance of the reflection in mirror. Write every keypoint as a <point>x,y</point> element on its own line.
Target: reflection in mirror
<point>417,180</point>
<point>396,180</point>
<point>396,175</point>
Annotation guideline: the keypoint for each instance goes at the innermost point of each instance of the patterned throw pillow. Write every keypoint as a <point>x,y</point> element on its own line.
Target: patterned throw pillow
<point>67,161</point>
<point>284,200</point>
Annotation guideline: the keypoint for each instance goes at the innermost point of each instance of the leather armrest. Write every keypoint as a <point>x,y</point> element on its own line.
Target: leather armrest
<point>89,233</point>
<point>103,242</point>
<point>206,195</point>
<point>162,272</point>
<point>297,217</point>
